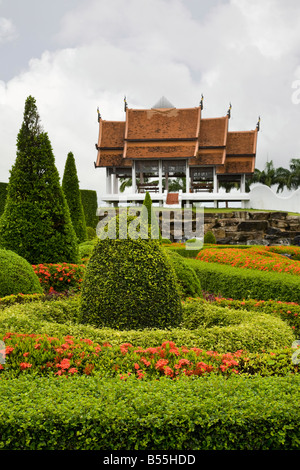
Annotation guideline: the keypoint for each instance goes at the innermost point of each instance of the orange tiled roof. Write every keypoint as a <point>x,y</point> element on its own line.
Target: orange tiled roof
<point>156,124</point>
<point>176,133</point>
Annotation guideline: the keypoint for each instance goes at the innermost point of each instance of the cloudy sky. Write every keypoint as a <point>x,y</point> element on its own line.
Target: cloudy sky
<point>76,55</point>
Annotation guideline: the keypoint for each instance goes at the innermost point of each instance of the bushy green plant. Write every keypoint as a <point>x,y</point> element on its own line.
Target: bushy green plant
<point>91,233</point>
<point>209,237</point>
<point>90,206</point>
<point>237,283</point>
<point>17,275</point>
<point>218,413</point>
<point>3,194</point>
<point>36,221</point>
<point>130,284</point>
<point>188,281</point>
<point>70,186</point>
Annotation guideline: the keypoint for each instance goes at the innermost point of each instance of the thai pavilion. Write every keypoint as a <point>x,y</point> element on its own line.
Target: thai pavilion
<point>153,146</point>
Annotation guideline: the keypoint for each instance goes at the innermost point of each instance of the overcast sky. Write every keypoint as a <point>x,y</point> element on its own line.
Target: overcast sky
<point>76,55</point>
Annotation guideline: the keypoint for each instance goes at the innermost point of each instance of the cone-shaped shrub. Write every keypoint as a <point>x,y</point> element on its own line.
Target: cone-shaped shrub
<point>130,284</point>
<point>36,222</point>
<point>17,275</point>
<point>70,185</point>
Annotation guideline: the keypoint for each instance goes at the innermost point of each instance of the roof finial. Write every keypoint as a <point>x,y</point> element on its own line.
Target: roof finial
<point>201,102</point>
<point>229,111</point>
<point>99,115</point>
<point>125,104</point>
<point>258,123</point>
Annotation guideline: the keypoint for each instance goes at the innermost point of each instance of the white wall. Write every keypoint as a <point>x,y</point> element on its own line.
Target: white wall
<point>264,198</point>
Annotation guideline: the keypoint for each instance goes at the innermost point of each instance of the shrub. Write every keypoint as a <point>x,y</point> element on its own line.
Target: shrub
<point>60,277</point>
<point>130,284</point>
<point>91,233</point>
<point>189,284</point>
<point>209,238</point>
<point>3,194</point>
<point>230,330</point>
<point>70,186</point>
<point>16,275</point>
<point>236,283</point>
<point>90,206</point>
<point>217,413</point>
<point>36,221</point>
<point>86,249</point>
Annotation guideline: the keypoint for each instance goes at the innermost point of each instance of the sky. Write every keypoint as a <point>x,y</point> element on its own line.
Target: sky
<point>73,56</point>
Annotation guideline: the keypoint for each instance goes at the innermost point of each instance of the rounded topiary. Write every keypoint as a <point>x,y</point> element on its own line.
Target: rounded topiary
<point>17,275</point>
<point>209,238</point>
<point>91,233</point>
<point>130,284</point>
<point>188,281</point>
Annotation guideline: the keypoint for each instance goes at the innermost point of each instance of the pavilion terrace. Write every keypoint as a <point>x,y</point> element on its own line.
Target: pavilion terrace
<point>152,147</point>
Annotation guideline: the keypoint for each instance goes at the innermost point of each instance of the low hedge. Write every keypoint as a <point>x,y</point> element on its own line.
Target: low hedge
<point>216,413</point>
<point>288,311</point>
<point>60,318</point>
<point>236,283</point>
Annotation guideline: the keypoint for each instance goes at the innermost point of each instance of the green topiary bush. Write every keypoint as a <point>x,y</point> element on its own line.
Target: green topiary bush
<point>209,238</point>
<point>130,284</point>
<point>188,281</point>
<point>17,275</point>
<point>91,233</point>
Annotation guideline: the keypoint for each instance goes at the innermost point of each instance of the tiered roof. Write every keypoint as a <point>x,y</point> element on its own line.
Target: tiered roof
<point>171,133</point>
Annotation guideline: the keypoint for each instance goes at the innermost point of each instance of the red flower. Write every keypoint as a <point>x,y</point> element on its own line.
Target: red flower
<point>25,365</point>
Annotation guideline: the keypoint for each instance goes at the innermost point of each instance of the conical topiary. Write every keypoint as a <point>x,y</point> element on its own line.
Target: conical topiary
<point>36,222</point>
<point>70,185</point>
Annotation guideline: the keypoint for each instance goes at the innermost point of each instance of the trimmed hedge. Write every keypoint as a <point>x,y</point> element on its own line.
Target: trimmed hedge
<point>188,281</point>
<point>90,206</point>
<point>236,283</point>
<point>130,284</point>
<point>61,318</point>
<point>209,414</point>
<point>17,275</point>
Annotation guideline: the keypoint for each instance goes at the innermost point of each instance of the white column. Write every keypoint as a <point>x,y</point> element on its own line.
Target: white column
<point>133,177</point>
<point>215,182</point>
<point>243,183</point>
<point>115,185</point>
<point>160,176</point>
<point>108,181</point>
<point>187,176</point>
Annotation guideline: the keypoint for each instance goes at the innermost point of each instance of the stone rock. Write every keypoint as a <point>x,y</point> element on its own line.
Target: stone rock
<point>253,226</point>
<point>260,241</point>
<point>259,215</point>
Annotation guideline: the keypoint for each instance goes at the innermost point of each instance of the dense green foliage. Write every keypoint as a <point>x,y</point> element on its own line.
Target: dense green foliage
<point>188,281</point>
<point>212,414</point>
<point>17,275</point>
<point>3,194</point>
<point>70,186</point>
<point>36,221</point>
<point>90,206</point>
<point>236,283</point>
<point>130,284</point>
<point>209,237</point>
<point>153,225</point>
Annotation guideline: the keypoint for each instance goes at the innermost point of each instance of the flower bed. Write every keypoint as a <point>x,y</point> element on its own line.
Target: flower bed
<point>258,259</point>
<point>45,355</point>
<point>60,277</point>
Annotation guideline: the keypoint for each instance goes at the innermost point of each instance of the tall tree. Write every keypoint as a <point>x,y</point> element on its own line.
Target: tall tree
<point>70,185</point>
<point>36,222</point>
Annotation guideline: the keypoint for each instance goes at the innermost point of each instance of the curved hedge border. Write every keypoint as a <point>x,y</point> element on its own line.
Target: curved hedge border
<point>208,414</point>
<point>239,284</point>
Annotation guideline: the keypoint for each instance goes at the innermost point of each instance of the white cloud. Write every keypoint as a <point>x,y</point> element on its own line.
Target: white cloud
<point>244,51</point>
<point>7,30</point>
